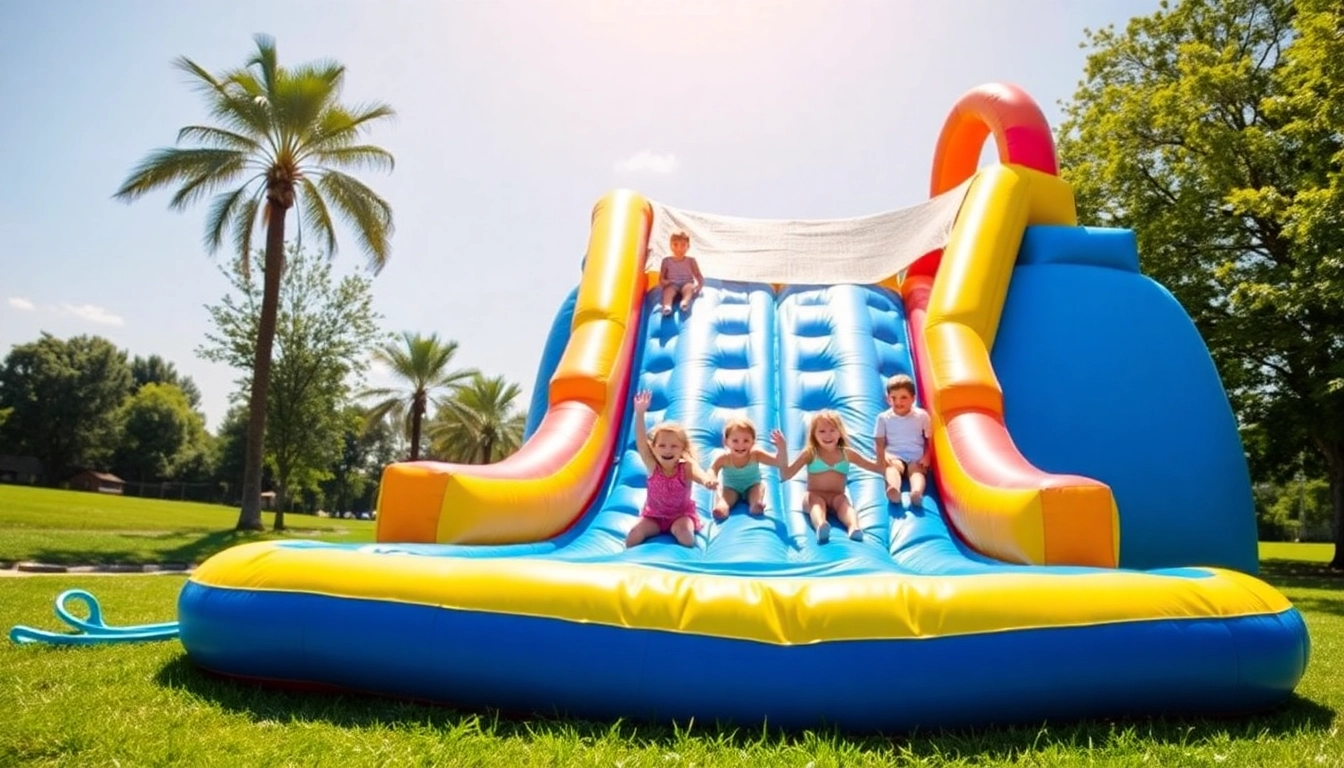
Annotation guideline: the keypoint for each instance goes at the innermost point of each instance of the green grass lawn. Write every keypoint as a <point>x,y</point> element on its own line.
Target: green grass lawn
<point>146,705</point>
<point>73,527</point>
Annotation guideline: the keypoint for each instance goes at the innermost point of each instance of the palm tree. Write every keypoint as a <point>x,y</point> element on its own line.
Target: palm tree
<point>424,364</point>
<point>479,425</point>
<point>283,134</point>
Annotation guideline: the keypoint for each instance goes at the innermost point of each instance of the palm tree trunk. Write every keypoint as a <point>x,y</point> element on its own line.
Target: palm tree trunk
<point>417,413</point>
<point>249,519</point>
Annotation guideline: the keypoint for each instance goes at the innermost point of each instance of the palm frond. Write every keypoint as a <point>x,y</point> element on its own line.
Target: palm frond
<point>222,211</point>
<point>340,127</point>
<point>359,157</point>
<point>380,410</point>
<point>266,59</point>
<point>225,171</point>
<point>232,97</point>
<point>218,137</point>
<point>163,167</point>
<point>298,102</point>
<point>244,224</point>
<point>370,213</point>
<point>315,211</point>
<point>380,392</point>
<point>205,82</point>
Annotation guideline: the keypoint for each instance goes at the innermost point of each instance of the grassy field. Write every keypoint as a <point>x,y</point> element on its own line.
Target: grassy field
<point>146,705</point>
<point>73,528</point>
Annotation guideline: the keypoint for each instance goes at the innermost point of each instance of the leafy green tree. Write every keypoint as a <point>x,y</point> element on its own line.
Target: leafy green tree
<point>156,370</point>
<point>160,433</point>
<point>323,330</point>
<point>480,423</point>
<point>285,135</point>
<point>367,447</point>
<point>230,451</point>
<point>65,399</point>
<point>424,364</point>
<point>1211,128</point>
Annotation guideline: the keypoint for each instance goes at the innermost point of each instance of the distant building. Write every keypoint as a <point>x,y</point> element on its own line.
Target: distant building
<point>24,470</point>
<point>98,482</point>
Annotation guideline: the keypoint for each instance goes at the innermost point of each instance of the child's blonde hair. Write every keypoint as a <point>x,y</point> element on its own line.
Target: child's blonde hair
<point>827,415</point>
<point>733,425</point>
<point>676,431</point>
<point>680,234</point>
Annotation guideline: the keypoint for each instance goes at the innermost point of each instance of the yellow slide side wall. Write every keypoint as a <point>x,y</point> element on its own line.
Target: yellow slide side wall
<point>1003,506</point>
<point>542,489</point>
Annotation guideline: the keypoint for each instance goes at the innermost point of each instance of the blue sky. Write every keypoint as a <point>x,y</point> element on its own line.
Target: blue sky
<point>513,118</point>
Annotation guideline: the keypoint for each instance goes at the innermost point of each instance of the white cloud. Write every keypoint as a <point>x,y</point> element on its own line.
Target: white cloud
<point>93,314</point>
<point>20,303</point>
<point>649,162</point>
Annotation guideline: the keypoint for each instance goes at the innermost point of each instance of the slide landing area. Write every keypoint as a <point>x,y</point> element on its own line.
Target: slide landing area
<point>906,628</point>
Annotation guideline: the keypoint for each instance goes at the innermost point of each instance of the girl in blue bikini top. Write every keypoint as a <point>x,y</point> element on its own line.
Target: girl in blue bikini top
<point>828,456</point>
<point>739,468</point>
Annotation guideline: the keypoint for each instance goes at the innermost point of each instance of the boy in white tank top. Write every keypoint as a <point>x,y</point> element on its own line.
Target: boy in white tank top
<point>904,439</point>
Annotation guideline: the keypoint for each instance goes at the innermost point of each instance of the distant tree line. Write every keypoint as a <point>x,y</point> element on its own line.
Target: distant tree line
<point>82,403</point>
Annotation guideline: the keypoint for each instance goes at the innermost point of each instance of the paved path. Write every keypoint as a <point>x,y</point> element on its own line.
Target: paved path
<point>29,568</point>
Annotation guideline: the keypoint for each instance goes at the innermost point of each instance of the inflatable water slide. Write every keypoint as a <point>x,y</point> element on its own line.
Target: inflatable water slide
<point>1089,549</point>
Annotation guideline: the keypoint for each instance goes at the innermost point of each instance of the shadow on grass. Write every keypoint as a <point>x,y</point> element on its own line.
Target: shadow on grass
<point>192,551</point>
<point>262,704</point>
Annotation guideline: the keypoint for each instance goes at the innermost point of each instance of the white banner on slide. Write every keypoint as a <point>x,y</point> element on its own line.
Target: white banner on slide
<point>861,251</point>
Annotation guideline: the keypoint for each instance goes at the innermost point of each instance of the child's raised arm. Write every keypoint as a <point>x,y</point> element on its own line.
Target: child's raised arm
<point>779,457</point>
<point>642,400</point>
<point>786,469</point>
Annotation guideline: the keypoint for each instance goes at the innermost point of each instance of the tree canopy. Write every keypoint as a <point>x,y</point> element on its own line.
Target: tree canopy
<point>64,399</point>
<point>424,364</point>
<point>1211,128</point>
<point>323,330</point>
<point>285,139</point>
<point>160,433</point>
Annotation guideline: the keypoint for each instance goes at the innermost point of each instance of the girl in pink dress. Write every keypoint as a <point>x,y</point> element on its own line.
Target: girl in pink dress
<point>666,451</point>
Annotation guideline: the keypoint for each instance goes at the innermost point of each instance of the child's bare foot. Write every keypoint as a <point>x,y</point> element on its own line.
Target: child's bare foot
<point>720,512</point>
<point>894,495</point>
<point>685,306</point>
<point>823,533</point>
<point>667,310</point>
<point>856,533</point>
<point>757,509</point>
<point>916,498</point>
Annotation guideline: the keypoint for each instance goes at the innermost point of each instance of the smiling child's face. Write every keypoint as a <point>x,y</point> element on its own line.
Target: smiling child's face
<point>827,434</point>
<point>739,441</point>
<point>668,447</point>
<point>901,401</point>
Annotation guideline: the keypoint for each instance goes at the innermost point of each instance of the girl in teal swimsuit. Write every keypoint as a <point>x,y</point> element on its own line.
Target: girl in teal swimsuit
<point>739,467</point>
<point>827,456</point>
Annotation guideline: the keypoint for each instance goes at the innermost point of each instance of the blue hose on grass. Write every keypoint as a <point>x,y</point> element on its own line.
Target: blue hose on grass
<point>94,631</point>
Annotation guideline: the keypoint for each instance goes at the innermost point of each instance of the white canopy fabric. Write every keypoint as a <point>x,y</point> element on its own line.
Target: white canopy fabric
<point>863,250</point>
